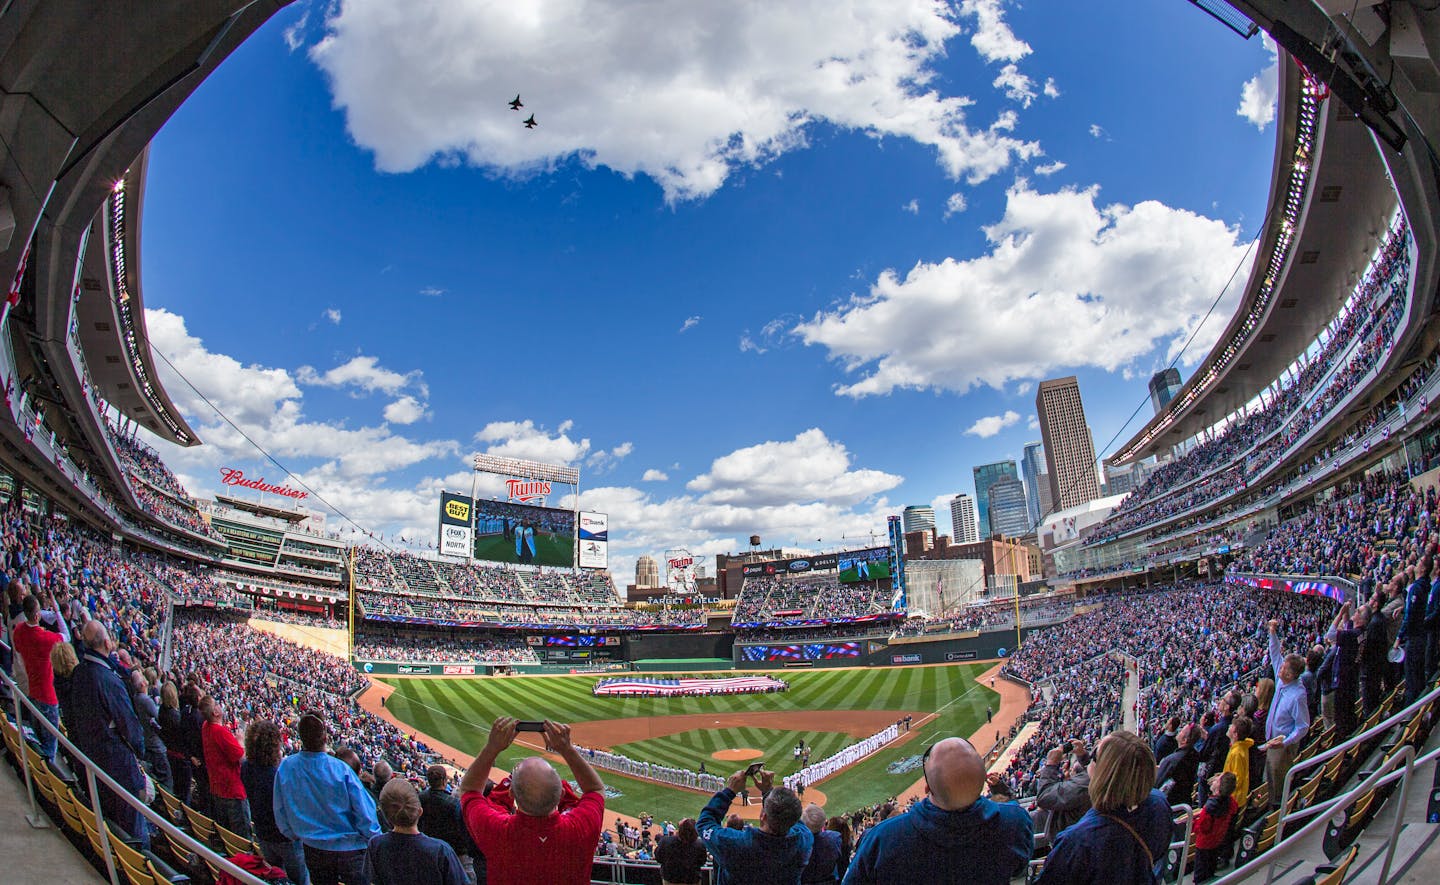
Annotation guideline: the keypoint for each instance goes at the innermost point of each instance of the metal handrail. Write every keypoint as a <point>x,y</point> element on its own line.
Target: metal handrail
<point>1374,731</point>
<point>94,774</point>
<point>1377,778</point>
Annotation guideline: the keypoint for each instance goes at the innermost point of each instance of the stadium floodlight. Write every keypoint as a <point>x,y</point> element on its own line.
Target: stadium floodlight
<point>523,469</point>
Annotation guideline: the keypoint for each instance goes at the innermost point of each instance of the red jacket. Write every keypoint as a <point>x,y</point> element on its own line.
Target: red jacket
<point>1212,824</point>
<point>223,752</point>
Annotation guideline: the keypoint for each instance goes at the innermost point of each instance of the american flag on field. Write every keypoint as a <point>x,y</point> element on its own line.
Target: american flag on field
<point>664,687</point>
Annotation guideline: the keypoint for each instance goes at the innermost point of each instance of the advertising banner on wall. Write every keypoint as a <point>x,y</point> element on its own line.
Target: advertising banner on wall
<point>594,540</point>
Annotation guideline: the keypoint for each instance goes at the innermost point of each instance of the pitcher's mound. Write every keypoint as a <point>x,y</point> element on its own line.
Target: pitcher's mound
<point>739,755</point>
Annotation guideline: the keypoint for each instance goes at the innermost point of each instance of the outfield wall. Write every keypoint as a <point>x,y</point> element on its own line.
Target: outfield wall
<point>648,645</point>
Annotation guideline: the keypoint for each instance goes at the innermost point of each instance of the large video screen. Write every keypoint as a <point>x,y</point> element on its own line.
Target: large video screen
<point>864,565</point>
<point>523,534</point>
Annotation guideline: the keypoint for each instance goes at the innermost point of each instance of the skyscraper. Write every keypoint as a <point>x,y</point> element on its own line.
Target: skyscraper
<point>985,476</point>
<point>1163,387</point>
<point>1009,515</point>
<point>1032,469</point>
<point>962,519</point>
<point>1069,452</point>
<point>647,573</point>
<point>918,518</point>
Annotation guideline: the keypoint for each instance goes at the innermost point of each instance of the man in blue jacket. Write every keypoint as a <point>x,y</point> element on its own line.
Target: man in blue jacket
<point>953,835</point>
<point>1413,636</point>
<point>107,730</point>
<point>773,854</point>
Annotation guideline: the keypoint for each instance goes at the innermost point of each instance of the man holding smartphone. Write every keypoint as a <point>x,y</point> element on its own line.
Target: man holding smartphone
<point>538,842</point>
<point>775,852</point>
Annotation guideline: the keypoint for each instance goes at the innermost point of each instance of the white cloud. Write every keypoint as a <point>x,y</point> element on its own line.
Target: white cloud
<point>432,291</point>
<point>333,315</point>
<point>523,439</point>
<point>602,461</point>
<point>653,475</point>
<point>772,335</point>
<point>1051,89</point>
<point>690,323</point>
<point>993,38</point>
<point>405,410</point>
<point>1061,268</point>
<point>1016,86</point>
<point>742,494</point>
<point>365,373</point>
<point>266,403</point>
<point>1098,131</point>
<point>954,204</point>
<point>992,424</point>
<point>1049,168</point>
<point>809,467</point>
<point>913,207</point>
<point>1261,92</point>
<point>294,35</point>
<point>1033,422</point>
<point>690,93</point>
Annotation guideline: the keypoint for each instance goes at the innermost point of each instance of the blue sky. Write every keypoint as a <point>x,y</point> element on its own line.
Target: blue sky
<point>762,268</point>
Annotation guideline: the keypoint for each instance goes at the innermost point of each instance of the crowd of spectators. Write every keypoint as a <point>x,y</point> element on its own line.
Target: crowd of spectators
<point>474,648</point>
<point>1246,448</point>
<point>770,599</point>
<point>1189,642</point>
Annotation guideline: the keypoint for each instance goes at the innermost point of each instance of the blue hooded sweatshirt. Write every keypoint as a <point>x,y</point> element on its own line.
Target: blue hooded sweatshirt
<point>985,844</point>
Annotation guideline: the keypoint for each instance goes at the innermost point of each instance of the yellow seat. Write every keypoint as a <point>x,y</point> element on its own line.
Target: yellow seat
<point>170,803</point>
<point>234,843</point>
<point>1337,875</point>
<point>201,827</point>
<point>68,802</point>
<point>135,866</point>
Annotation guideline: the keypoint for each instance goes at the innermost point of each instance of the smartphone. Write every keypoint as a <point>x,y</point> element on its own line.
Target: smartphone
<point>529,725</point>
<point>754,768</point>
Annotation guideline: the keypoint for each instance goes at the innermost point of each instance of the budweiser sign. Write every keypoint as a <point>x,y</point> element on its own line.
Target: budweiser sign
<point>232,477</point>
<point>526,490</point>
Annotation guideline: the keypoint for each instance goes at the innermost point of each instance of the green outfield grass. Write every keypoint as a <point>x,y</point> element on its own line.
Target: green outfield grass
<point>459,711</point>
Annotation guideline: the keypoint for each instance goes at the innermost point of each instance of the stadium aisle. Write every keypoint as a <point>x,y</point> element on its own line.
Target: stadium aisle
<point>63,865</point>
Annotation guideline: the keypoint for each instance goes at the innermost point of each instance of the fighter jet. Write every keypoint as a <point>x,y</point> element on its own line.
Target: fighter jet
<point>530,122</point>
<point>517,104</point>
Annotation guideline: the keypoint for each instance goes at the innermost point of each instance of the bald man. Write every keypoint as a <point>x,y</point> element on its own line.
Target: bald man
<point>106,728</point>
<point>538,842</point>
<point>952,835</point>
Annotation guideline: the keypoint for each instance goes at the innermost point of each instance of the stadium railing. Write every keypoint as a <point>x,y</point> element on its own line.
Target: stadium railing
<point>94,777</point>
<point>1399,766</point>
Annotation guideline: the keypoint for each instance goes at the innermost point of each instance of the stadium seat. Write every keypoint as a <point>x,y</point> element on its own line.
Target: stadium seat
<point>135,866</point>
<point>171,805</point>
<point>201,827</point>
<point>234,843</point>
<point>1332,874</point>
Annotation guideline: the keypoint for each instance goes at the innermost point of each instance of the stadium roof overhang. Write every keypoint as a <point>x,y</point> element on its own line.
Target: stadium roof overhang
<point>87,86</point>
<point>1301,276</point>
<point>110,314</point>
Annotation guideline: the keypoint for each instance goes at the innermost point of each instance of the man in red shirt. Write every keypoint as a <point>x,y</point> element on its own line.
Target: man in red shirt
<point>537,842</point>
<point>223,752</point>
<point>33,643</point>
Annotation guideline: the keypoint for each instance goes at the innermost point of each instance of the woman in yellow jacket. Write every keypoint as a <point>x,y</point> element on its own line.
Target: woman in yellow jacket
<point>1237,762</point>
